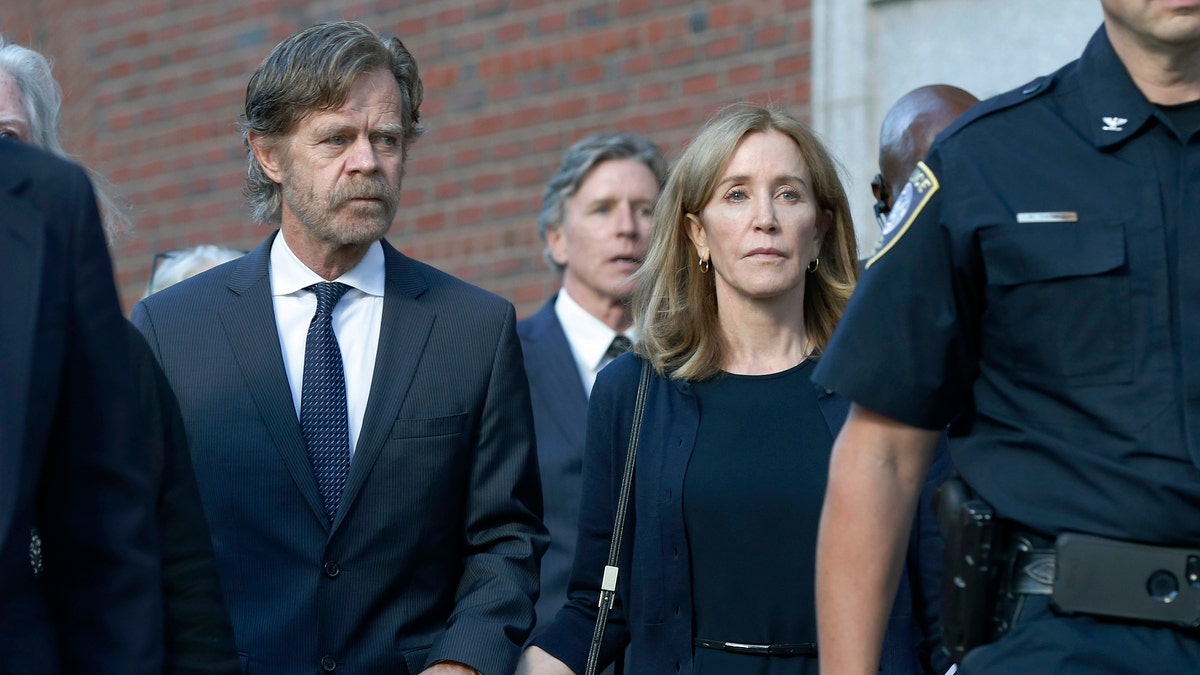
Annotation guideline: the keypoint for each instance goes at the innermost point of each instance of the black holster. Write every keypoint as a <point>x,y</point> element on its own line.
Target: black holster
<point>970,607</point>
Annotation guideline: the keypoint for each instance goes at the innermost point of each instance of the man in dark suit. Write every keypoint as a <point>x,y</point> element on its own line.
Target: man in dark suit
<point>359,422</point>
<point>72,459</point>
<point>596,212</point>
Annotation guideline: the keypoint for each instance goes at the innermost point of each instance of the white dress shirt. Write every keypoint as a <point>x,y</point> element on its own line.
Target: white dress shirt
<point>588,337</point>
<point>356,322</point>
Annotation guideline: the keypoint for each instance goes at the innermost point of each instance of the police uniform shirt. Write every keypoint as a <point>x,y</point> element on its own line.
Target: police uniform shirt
<point>1039,284</point>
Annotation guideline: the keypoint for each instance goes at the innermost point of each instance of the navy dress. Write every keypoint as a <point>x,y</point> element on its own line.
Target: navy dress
<point>752,500</point>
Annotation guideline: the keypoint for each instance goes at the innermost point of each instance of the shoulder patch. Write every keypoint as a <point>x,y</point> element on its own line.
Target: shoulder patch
<point>921,186</point>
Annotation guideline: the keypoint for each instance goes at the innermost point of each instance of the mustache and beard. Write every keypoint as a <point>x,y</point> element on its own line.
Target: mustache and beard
<point>335,217</point>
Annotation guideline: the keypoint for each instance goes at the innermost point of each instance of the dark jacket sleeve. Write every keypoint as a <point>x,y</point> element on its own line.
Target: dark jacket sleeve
<point>569,637</point>
<point>505,536</point>
<point>198,635</point>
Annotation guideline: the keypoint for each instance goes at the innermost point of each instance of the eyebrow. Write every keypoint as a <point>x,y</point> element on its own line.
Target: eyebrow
<point>334,128</point>
<point>613,200</point>
<point>19,125</point>
<point>782,178</point>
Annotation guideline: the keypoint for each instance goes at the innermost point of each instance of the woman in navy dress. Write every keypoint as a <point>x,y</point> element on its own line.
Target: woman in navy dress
<point>750,264</point>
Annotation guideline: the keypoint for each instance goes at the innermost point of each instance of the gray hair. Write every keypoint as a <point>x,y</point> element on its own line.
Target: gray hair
<point>42,99</point>
<point>186,263</point>
<point>315,70</point>
<point>578,162</point>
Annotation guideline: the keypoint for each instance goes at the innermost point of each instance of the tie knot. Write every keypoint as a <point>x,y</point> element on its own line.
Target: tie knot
<point>619,346</point>
<point>328,294</point>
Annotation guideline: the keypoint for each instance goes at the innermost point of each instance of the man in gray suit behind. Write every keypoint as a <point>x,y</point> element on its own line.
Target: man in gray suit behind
<point>359,421</point>
<point>595,218</point>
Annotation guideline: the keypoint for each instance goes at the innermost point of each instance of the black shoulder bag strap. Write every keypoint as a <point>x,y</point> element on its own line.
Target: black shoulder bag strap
<point>608,585</point>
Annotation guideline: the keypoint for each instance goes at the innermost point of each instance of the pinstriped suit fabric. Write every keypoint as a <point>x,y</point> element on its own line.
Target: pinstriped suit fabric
<point>433,554</point>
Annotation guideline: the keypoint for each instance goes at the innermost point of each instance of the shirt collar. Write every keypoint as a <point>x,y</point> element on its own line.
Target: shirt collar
<point>289,275</point>
<point>588,336</point>
<point>1116,109</point>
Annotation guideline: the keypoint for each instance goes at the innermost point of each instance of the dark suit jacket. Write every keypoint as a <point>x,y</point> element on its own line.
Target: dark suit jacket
<point>71,454</point>
<point>198,636</point>
<point>560,419</point>
<point>434,552</point>
<point>653,612</point>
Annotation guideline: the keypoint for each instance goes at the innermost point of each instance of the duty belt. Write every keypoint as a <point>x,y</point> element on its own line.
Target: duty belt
<point>1090,575</point>
<point>1033,572</point>
<point>798,649</point>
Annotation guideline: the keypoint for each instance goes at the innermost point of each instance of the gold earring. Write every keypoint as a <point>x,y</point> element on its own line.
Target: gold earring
<point>812,266</point>
<point>704,265</point>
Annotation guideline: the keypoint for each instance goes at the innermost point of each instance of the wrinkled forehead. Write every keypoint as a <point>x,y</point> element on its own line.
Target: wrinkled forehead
<point>14,118</point>
<point>11,99</point>
<point>374,97</point>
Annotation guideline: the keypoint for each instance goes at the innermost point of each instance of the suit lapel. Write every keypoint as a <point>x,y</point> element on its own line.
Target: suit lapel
<point>249,323</point>
<point>552,365</point>
<point>403,334</point>
<point>22,249</point>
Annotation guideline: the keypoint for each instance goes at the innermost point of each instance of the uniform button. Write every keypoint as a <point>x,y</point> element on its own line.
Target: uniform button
<point>331,569</point>
<point>677,552</point>
<point>328,664</point>
<point>676,611</point>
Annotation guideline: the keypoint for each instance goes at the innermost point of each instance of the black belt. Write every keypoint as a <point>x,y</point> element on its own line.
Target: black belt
<point>799,649</point>
<point>1109,578</point>
<point>1033,572</point>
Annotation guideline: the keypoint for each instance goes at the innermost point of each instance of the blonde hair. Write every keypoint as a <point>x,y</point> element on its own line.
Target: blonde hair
<point>674,303</point>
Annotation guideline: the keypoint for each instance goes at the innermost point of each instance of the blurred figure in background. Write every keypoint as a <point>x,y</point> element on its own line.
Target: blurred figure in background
<point>198,633</point>
<point>907,133</point>
<point>173,267</point>
<point>595,218</point>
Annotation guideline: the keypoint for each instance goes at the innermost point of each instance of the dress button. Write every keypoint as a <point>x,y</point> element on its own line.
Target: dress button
<point>328,664</point>
<point>331,569</point>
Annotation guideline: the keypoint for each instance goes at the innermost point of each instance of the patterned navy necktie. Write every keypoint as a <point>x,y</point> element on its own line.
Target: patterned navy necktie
<point>619,346</point>
<point>323,417</point>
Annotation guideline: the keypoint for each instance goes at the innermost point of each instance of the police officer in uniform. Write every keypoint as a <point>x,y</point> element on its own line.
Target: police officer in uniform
<point>1037,285</point>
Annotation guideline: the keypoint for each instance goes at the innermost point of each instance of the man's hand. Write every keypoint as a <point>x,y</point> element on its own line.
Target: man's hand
<point>537,661</point>
<point>449,668</point>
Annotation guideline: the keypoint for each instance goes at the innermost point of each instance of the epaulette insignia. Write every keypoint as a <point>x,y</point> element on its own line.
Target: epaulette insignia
<point>921,186</point>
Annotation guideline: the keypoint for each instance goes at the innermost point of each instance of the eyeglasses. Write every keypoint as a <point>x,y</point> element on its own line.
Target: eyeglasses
<point>881,194</point>
<point>209,256</point>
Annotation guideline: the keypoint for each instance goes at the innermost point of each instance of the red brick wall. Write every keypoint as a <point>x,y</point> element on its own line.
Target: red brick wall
<point>153,89</point>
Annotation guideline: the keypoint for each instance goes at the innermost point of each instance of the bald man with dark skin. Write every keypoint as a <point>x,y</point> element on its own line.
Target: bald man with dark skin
<point>907,133</point>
